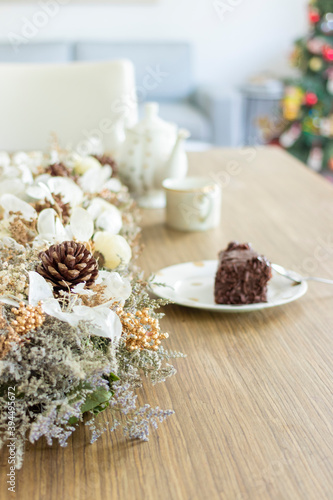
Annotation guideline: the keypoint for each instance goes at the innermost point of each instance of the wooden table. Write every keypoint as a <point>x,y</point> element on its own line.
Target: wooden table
<point>253,400</point>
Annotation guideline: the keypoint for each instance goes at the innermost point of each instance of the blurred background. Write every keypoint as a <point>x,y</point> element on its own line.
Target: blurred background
<point>216,67</point>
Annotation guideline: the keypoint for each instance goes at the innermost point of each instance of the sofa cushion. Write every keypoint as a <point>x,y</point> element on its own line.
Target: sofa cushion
<point>36,53</point>
<point>186,116</point>
<point>163,70</point>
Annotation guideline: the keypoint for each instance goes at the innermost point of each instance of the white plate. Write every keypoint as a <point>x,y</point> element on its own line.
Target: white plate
<point>192,284</point>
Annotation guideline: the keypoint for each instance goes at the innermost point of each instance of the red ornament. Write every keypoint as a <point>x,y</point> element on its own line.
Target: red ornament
<point>310,99</point>
<point>314,16</point>
<point>330,163</point>
<point>328,53</point>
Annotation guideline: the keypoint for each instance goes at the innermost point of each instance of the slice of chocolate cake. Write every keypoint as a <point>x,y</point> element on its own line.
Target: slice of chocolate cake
<point>242,275</point>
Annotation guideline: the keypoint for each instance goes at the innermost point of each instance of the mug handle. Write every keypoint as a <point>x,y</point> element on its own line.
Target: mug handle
<point>204,214</point>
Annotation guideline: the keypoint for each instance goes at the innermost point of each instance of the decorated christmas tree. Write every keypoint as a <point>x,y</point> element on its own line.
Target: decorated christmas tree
<point>307,105</point>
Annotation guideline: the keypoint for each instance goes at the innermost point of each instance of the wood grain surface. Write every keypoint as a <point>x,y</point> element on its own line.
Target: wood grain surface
<point>253,399</point>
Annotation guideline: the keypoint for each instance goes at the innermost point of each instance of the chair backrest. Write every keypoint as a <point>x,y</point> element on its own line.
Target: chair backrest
<point>74,101</point>
<point>163,69</point>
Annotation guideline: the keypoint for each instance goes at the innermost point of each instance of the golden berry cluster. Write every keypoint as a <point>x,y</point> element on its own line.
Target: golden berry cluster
<point>7,340</point>
<point>8,337</point>
<point>27,318</point>
<point>140,330</point>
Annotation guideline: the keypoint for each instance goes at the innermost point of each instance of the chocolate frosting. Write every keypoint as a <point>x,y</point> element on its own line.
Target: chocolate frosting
<point>242,275</point>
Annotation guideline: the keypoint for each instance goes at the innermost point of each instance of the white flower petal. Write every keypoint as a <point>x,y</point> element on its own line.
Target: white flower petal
<point>61,233</point>
<point>81,224</point>
<point>114,325</point>
<point>12,186</point>
<point>52,308</point>
<point>107,216</point>
<point>106,173</point>
<point>114,248</point>
<point>81,290</point>
<point>110,221</point>
<point>83,164</point>
<point>103,321</point>
<point>4,159</point>
<point>46,221</point>
<point>26,174</point>
<point>50,228</point>
<point>54,157</point>
<point>9,301</point>
<point>94,179</point>
<point>10,172</point>
<point>12,203</point>
<point>39,289</point>
<point>71,193</point>
<point>20,157</point>
<point>43,178</point>
<point>90,182</point>
<point>5,230</point>
<point>113,185</point>
<point>116,287</point>
<point>40,191</point>
<point>11,243</point>
<point>97,206</point>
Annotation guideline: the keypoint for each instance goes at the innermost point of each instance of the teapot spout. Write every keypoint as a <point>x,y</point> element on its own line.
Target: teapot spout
<point>177,165</point>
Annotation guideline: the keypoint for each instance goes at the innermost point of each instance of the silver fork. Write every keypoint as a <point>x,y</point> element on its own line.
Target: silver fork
<point>297,278</point>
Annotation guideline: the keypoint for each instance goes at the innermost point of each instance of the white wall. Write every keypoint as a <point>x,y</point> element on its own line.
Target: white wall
<point>254,35</point>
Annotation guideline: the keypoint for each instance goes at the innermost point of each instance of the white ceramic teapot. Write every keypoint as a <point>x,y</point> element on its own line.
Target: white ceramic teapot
<point>152,151</point>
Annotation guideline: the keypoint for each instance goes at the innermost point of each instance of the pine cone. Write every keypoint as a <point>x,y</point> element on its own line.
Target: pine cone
<point>67,265</point>
<point>58,170</point>
<point>108,160</point>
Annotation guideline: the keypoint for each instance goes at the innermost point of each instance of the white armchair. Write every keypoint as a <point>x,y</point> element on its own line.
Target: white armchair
<point>74,101</point>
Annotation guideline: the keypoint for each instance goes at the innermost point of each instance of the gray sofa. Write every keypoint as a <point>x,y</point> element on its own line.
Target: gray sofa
<point>163,74</point>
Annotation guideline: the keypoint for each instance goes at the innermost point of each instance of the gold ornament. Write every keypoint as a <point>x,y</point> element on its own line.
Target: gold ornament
<point>292,102</point>
<point>315,64</point>
<point>290,112</point>
<point>27,318</point>
<point>296,57</point>
<point>140,330</point>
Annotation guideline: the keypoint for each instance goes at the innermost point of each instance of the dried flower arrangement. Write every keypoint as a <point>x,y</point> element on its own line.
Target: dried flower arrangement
<point>78,329</point>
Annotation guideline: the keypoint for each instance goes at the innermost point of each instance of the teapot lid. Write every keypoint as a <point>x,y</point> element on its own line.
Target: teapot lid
<point>151,122</point>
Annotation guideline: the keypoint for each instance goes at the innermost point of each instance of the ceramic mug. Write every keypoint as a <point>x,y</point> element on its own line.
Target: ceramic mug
<point>193,203</point>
